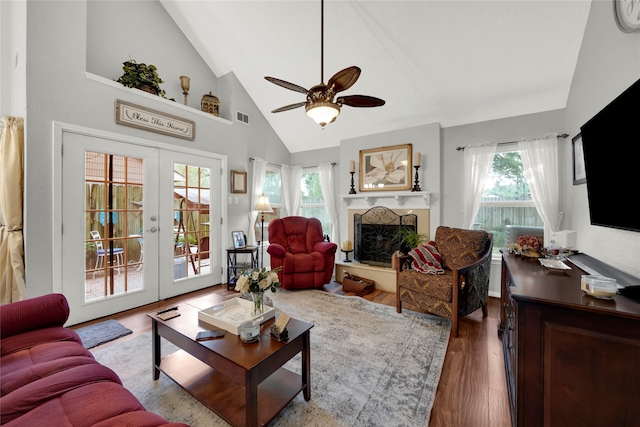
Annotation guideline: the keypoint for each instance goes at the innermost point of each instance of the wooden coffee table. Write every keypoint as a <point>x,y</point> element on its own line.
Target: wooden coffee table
<point>245,384</point>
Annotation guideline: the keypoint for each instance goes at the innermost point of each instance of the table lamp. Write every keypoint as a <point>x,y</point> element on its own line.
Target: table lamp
<point>262,206</point>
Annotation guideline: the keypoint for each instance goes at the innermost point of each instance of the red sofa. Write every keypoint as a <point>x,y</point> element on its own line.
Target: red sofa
<point>48,377</point>
<point>297,245</point>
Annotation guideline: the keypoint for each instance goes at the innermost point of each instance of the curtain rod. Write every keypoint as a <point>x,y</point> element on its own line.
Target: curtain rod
<point>270,164</point>
<point>564,135</point>
<point>305,167</point>
<point>311,167</point>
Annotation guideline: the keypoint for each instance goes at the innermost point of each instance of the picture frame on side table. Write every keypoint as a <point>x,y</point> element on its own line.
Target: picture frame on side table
<point>386,168</point>
<point>238,239</point>
<point>579,171</point>
<point>238,182</point>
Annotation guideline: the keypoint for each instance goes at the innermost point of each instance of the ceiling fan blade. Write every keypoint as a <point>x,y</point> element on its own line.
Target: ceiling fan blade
<point>289,107</point>
<point>343,80</point>
<point>287,85</point>
<point>360,101</point>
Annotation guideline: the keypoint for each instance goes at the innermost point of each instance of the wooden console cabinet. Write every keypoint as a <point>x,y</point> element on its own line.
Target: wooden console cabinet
<point>570,359</point>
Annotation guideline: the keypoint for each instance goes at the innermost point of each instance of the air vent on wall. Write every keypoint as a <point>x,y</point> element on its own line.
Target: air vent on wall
<point>242,117</point>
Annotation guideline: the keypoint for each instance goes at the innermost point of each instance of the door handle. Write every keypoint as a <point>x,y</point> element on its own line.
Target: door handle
<point>153,229</point>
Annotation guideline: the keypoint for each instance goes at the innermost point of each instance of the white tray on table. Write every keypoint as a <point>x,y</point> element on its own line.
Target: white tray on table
<point>554,264</point>
<point>230,314</point>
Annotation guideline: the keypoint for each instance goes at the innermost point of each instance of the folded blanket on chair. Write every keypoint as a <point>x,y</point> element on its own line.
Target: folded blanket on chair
<point>426,259</point>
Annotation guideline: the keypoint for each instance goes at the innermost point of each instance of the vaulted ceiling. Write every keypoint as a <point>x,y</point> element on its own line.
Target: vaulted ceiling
<point>453,62</point>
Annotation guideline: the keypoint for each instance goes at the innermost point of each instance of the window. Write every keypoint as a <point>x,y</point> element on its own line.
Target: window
<point>313,205</point>
<point>272,188</point>
<point>506,199</point>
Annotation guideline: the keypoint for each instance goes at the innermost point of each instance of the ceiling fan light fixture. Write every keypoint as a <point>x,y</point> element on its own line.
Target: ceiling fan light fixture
<point>322,112</point>
<point>319,105</point>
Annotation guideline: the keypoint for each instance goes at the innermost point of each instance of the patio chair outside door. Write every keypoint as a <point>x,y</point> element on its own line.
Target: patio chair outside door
<point>114,257</point>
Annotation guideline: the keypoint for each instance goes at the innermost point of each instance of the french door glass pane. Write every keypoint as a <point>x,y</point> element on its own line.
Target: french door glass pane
<point>113,225</point>
<point>191,188</point>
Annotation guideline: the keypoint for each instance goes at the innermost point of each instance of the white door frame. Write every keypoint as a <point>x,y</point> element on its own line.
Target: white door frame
<point>59,129</point>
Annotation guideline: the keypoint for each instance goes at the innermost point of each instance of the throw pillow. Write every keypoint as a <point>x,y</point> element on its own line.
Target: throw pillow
<point>426,259</point>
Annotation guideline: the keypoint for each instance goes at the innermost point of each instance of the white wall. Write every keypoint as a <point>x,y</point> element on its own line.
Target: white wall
<point>58,90</point>
<point>609,62</point>
<point>13,23</point>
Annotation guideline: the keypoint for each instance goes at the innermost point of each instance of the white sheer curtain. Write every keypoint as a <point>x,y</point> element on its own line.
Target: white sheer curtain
<point>540,164</point>
<point>286,190</point>
<point>477,163</point>
<point>296,190</point>
<point>328,194</point>
<point>259,170</point>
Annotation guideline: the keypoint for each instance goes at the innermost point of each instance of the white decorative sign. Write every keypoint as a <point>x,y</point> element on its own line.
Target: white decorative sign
<point>132,115</point>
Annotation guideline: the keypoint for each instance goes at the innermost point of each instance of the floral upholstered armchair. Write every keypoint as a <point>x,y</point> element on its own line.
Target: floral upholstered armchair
<point>448,277</point>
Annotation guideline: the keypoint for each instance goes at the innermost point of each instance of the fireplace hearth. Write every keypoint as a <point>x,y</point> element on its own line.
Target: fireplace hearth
<point>375,234</point>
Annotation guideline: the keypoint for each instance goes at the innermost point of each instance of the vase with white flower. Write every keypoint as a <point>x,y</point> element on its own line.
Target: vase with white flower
<point>256,282</point>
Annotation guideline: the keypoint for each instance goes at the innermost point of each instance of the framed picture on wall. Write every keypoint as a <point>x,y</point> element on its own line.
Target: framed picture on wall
<point>579,171</point>
<point>238,182</point>
<point>386,168</point>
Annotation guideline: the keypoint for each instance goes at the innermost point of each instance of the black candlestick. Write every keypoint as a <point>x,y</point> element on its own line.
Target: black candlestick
<point>346,254</point>
<point>353,189</point>
<point>416,186</point>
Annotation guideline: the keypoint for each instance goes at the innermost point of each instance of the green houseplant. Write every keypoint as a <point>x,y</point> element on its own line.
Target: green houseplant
<point>409,239</point>
<point>141,76</point>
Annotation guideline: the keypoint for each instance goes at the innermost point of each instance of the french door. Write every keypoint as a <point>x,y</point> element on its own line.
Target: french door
<point>139,224</point>
<point>190,258</point>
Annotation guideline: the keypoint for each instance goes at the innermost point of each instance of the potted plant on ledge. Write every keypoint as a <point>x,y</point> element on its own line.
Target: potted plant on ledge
<point>141,76</point>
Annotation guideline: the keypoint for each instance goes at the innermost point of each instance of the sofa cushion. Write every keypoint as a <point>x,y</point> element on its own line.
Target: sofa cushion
<point>27,340</point>
<point>426,259</point>
<point>16,375</point>
<point>34,394</point>
<point>458,247</point>
<point>101,403</point>
<point>34,313</point>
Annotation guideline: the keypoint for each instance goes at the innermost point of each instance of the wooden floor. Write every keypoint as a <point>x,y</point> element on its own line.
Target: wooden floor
<point>472,391</point>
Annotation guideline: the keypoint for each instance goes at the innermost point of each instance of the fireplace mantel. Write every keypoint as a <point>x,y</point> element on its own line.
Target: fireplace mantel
<point>401,197</point>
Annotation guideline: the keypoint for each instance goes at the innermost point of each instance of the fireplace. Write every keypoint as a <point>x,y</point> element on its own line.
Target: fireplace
<point>375,234</point>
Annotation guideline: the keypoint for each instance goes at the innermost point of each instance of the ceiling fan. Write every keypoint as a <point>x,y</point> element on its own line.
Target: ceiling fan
<point>320,104</point>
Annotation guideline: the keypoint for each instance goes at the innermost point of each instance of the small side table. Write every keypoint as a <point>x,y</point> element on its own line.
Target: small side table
<point>234,267</point>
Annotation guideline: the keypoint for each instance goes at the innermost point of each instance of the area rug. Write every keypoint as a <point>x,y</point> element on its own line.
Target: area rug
<point>101,332</point>
<point>370,366</point>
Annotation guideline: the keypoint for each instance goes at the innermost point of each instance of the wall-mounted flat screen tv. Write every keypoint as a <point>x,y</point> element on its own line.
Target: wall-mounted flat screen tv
<point>611,144</point>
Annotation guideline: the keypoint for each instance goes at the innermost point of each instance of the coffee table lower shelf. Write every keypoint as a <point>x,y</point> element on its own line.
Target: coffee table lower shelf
<point>225,397</point>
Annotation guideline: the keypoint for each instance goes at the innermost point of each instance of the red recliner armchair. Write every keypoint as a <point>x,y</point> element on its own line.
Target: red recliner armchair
<point>297,245</point>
